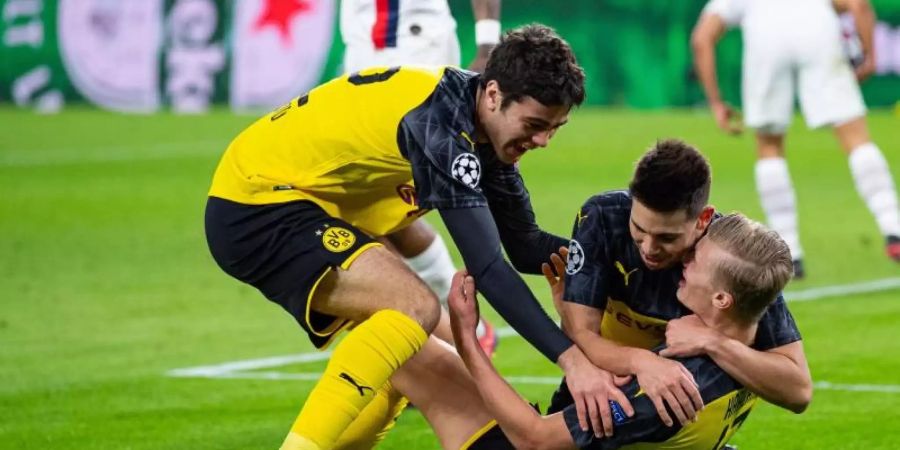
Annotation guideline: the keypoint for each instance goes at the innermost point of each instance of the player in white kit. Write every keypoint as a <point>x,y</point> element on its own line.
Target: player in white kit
<point>421,32</point>
<point>798,45</point>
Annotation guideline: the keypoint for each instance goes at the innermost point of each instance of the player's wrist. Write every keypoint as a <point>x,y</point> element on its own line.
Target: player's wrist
<point>487,32</point>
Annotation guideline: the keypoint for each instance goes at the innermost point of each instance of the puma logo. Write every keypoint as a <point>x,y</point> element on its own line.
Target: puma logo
<point>580,217</point>
<point>361,389</point>
<point>624,273</point>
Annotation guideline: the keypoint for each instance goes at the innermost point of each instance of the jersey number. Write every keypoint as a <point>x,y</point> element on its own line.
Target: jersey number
<point>732,427</point>
<point>356,79</point>
<point>377,77</point>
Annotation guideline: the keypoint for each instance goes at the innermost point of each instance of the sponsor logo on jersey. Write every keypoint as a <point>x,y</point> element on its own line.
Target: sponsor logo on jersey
<point>466,169</point>
<point>575,260</point>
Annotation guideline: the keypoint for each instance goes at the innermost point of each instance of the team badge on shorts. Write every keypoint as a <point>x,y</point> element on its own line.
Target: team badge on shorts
<point>575,261</point>
<point>337,239</point>
<point>467,169</point>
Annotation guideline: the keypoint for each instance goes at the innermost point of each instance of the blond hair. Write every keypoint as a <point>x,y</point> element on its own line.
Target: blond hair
<point>758,265</point>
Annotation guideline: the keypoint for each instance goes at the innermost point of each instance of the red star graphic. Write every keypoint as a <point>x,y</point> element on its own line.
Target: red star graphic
<point>280,13</point>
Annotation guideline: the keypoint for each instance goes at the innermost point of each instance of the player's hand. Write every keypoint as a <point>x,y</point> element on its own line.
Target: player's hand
<point>866,69</point>
<point>726,118</point>
<point>463,307</point>
<point>556,275</point>
<point>481,58</point>
<point>667,382</point>
<point>592,389</point>
<point>688,336</point>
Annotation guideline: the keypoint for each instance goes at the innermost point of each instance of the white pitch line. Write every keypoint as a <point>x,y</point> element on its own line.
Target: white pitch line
<point>248,369</point>
<point>818,293</point>
<point>522,379</point>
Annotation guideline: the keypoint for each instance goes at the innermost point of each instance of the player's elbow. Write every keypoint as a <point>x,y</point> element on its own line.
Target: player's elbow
<point>804,398</point>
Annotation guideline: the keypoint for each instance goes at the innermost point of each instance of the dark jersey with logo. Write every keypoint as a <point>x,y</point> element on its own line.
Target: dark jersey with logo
<point>726,405</point>
<point>605,271</point>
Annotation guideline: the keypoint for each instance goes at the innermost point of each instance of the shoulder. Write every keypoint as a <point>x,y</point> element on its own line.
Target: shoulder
<point>611,210</point>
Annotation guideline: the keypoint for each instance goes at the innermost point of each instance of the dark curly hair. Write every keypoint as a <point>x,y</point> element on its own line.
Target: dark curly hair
<point>534,61</point>
<point>672,176</point>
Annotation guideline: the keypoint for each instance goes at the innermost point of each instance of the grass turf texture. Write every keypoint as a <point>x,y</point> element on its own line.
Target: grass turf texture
<point>106,283</point>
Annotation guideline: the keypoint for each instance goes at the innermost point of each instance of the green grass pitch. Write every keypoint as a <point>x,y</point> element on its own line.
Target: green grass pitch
<point>106,284</point>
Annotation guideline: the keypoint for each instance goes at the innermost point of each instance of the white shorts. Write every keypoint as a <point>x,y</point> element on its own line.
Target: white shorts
<point>828,91</point>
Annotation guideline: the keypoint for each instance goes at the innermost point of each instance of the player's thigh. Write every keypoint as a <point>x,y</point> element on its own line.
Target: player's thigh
<point>376,280</point>
<point>412,240</point>
<point>767,91</point>
<point>829,92</point>
<point>286,251</point>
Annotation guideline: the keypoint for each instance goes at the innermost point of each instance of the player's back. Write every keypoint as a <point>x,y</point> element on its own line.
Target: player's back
<point>336,146</point>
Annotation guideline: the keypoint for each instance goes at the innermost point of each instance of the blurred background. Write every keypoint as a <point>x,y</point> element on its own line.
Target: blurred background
<point>118,331</point>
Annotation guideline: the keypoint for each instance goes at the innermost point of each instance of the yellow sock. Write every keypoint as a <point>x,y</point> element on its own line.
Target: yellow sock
<point>363,361</point>
<point>375,420</point>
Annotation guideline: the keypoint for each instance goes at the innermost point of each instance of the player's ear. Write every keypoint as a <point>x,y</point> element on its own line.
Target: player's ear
<point>723,300</point>
<point>705,217</point>
<point>492,95</point>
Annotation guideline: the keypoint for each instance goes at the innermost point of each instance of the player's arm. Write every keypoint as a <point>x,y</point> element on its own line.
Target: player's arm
<point>707,33</point>
<point>487,31</point>
<point>524,426</point>
<point>666,382</point>
<point>864,21</point>
<point>780,375</point>
<point>476,238</point>
<point>527,246</point>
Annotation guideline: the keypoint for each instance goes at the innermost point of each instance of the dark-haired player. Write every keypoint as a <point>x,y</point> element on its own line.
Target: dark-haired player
<point>624,267</point>
<point>299,196</point>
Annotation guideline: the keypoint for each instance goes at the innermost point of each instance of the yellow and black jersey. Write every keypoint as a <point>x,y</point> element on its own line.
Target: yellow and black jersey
<point>381,147</point>
<point>727,405</point>
<point>375,148</point>
<point>605,271</point>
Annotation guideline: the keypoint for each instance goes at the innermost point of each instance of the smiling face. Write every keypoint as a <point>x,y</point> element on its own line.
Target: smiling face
<point>520,126</point>
<point>664,239</point>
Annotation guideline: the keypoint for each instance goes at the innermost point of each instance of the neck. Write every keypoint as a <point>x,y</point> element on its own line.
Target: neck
<point>480,135</point>
<point>732,328</point>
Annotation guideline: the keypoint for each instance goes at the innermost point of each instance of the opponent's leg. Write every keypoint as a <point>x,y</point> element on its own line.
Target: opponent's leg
<point>776,194</point>
<point>873,180</point>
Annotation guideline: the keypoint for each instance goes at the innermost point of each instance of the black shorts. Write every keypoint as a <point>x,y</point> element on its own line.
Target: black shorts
<point>284,250</point>
<point>491,438</point>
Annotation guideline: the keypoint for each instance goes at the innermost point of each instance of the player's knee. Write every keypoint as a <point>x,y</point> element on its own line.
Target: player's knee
<point>424,308</point>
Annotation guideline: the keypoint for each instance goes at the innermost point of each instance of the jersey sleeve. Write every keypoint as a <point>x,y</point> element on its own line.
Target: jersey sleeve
<point>435,138</point>
<point>586,268</point>
<point>731,11</point>
<point>776,327</point>
<point>526,245</point>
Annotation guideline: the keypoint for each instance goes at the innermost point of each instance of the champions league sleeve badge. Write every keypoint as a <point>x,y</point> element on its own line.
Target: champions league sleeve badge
<point>575,261</point>
<point>466,169</point>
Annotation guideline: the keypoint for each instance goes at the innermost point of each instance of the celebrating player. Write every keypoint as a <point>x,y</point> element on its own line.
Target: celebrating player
<point>624,266</point>
<point>299,195</point>
<point>404,32</point>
